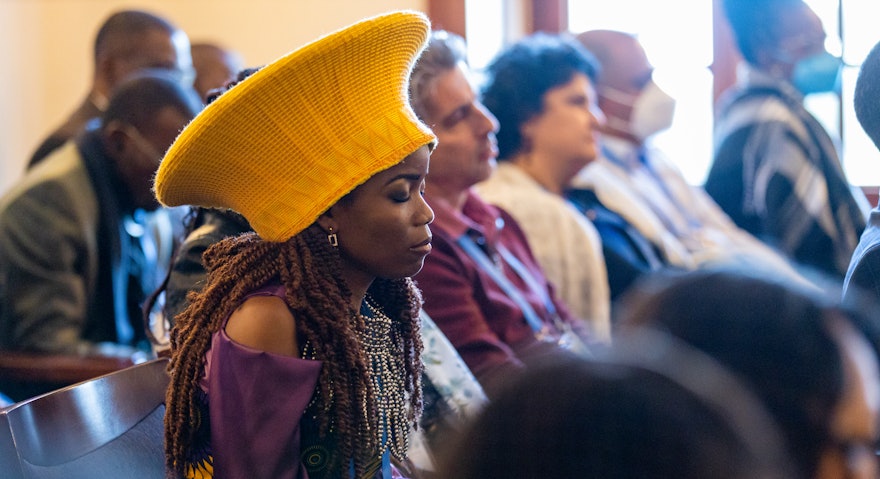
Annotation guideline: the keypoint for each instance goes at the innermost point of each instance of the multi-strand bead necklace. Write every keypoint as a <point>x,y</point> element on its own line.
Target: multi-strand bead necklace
<point>387,379</point>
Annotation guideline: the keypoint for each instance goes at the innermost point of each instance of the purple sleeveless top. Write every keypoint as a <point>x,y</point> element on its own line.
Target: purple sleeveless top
<point>256,402</point>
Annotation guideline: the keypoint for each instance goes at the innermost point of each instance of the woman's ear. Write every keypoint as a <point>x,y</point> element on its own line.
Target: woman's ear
<point>526,131</point>
<point>116,139</point>
<point>326,222</point>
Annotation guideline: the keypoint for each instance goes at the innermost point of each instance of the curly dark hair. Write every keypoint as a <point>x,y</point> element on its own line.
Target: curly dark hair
<point>520,76</point>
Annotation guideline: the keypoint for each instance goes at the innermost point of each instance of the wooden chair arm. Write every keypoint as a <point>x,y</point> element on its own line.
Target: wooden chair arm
<point>41,372</point>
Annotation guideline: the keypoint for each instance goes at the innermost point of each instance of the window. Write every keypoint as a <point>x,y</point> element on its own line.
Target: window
<point>485,30</point>
<point>861,160</point>
<point>859,156</point>
<point>682,57</point>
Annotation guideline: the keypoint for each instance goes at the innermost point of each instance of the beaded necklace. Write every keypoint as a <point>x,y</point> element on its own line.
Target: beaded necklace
<point>387,372</point>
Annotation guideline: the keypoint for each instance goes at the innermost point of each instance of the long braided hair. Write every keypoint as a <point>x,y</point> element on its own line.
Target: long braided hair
<point>310,270</point>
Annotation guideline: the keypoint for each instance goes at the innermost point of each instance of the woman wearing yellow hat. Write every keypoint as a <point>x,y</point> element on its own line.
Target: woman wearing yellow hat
<point>301,355</point>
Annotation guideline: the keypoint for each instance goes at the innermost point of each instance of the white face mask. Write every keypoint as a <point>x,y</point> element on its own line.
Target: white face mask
<point>652,110</point>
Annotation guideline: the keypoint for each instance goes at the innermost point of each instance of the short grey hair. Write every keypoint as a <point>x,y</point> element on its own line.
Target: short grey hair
<point>444,52</point>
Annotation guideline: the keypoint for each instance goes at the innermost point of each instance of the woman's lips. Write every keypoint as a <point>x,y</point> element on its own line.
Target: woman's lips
<point>423,248</point>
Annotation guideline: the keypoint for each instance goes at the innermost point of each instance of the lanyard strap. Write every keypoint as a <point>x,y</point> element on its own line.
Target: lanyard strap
<point>529,279</point>
<point>566,338</point>
<point>470,247</point>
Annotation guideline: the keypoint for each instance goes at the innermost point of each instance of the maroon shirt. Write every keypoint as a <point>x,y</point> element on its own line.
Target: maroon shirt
<point>486,326</point>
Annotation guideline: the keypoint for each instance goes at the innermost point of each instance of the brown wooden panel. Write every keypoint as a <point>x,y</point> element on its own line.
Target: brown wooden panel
<point>447,15</point>
<point>24,374</point>
<point>725,53</point>
<point>550,16</point>
<point>872,193</point>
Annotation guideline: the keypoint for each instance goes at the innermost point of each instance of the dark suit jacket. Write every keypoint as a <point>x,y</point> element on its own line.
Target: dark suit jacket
<point>64,255</point>
<point>628,254</point>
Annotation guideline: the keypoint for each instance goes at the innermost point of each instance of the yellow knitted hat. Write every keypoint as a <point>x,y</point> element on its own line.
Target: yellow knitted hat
<point>289,141</point>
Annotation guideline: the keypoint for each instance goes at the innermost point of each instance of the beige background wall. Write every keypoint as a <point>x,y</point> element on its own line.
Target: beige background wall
<point>45,50</point>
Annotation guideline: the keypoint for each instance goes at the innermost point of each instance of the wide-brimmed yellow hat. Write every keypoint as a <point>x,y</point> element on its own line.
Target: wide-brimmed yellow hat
<point>289,141</point>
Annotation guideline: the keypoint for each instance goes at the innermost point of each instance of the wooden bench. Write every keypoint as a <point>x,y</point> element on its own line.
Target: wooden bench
<point>25,374</point>
<point>109,426</point>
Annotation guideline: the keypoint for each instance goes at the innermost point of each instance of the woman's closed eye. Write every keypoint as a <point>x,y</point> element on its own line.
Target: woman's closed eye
<point>400,196</point>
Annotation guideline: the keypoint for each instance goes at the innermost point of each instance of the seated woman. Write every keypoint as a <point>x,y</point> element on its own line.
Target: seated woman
<point>542,90</point>
<point>808,357</point>
<point>300,357</point>
<point>481,284</point>
<point>628,415</point>
<point>546,137</point>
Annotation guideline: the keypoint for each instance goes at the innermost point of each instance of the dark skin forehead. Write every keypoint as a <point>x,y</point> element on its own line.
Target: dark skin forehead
<point>151,47</point>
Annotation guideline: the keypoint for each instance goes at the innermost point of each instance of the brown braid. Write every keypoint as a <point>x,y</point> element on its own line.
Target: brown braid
<point>309,268</point>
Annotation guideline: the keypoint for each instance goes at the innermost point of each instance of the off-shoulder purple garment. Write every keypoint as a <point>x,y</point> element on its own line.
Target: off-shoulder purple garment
<point>256,401</point>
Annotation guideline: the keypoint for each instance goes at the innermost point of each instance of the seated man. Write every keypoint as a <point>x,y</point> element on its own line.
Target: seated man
<point>215,66</point>
<point>127,41</point>
<point>481,283</point>
<point>639,183</point>
<point>76,249</point>
<point>776,170</point>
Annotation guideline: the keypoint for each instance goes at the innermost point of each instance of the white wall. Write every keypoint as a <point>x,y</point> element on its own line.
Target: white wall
<point>45,50</point>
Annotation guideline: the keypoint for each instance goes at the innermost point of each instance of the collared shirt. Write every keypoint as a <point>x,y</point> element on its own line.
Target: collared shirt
<point>682,220</point>
<point>486,326</point>
<point>665,191</point>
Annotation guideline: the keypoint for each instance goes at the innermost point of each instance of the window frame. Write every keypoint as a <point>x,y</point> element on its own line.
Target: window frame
<point>552,16</point>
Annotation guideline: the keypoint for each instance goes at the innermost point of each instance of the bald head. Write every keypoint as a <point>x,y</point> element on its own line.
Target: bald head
<point>132,40</point>
<point>116,33</point>
<point>602,42</point>
<point>625,72</point>
<point>214,65</point>
<point>624,63</point>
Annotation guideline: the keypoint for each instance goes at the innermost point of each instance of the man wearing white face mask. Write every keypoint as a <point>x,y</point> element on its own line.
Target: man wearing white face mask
<point>776,170</point>
<point>638,182</point>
